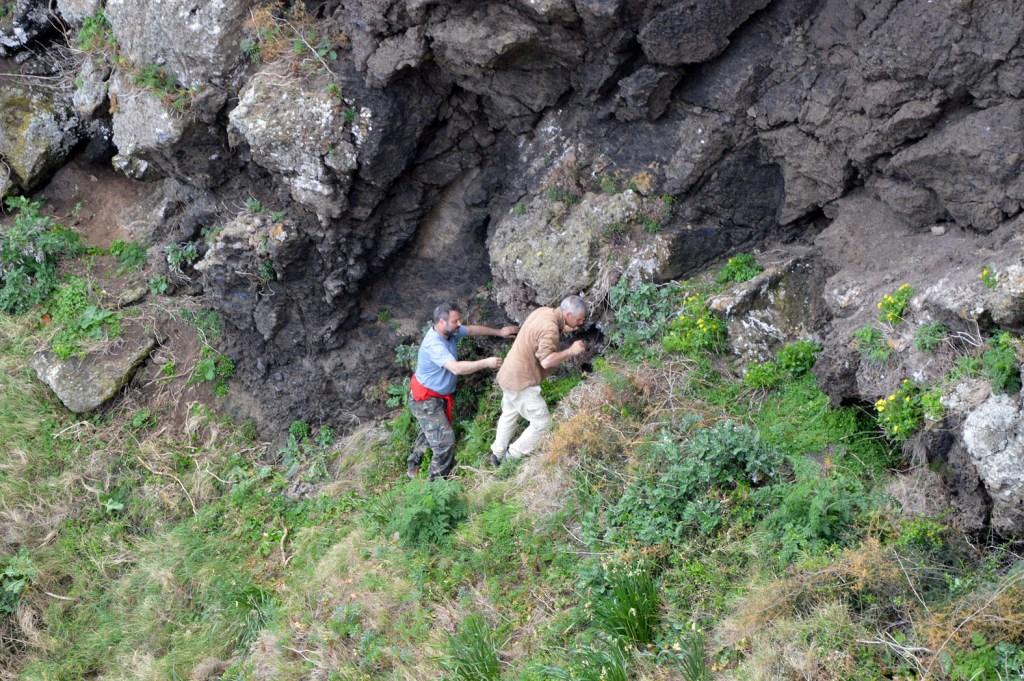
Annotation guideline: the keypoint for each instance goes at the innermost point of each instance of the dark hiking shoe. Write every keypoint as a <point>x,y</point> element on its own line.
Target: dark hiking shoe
<point>495,460</point>
<point>412,471</point>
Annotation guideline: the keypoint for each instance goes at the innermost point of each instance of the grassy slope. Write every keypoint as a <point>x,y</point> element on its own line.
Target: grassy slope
<point>803,571</point>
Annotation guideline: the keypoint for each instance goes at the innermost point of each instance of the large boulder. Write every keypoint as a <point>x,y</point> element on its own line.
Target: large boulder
<point>37,132</point>
<point>299,131</point>
<point>994,435</point>
<point>85,383</point>
<point>973,165</point>
<point>199,42</point>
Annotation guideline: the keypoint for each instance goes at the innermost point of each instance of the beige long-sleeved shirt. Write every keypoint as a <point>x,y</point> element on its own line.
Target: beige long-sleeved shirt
<point>537,338</point>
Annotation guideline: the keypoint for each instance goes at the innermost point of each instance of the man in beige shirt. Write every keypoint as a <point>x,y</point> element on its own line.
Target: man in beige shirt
<point>534,353</point>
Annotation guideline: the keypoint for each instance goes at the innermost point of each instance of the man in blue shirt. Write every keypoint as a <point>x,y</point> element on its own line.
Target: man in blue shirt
<point>433,386</point>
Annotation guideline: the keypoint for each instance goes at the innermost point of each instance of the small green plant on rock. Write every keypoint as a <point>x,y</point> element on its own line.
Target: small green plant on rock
<point>928,337</point>
<point>1000,365</point>
<point>158,285</point>
<point>989,277</point>
<point>130,256</point>
<point>96,34</point>
<point>254,206</point>
<point>740,267</point>
<point>697,329</point>
<point>872,344</point>
<point>900,413</point>
<point>892,305</point>
<point>180,255</point>
<point>77,319</point>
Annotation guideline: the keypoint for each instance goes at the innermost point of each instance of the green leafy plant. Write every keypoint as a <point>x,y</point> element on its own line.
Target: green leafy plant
<point>253,205</point>
<point>609,184</point>
<point>130,256</point>
<point>627,606</point>
<point>680,497</point>
<point>560,195</point>
<point>740,267</point>
<point>642,313</point>
<point>213,367</point>
<point>30,249</point>
<point>473,651</point>
<point>931,404</point>
<point>351,114</point>
<point>16,574</point>
<point>892,305</point>
<point>762,375</point>
<point>798,357</point>
<point>266,272</point>
<point>928,337</point>
<point>872,344</point>
<point>651,225</point>
<point>426,512</point>
<point>989,277</point>
<point>77,320</point>
<point>697,329</point>
<point>158,285</point>
<point>900,413</point>
<point>180,255</point>
<point>1000,365</point>
<point>304,453</point>
<point>519,208</point>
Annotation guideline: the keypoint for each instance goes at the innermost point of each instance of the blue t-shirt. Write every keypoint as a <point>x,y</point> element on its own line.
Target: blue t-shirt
<point>435,352</point>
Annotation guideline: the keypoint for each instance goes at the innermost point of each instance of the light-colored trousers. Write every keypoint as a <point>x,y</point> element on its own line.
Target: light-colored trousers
<point>528,404</point>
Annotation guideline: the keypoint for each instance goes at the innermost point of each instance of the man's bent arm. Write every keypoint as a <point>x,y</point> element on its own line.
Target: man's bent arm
<point>556,358</point>
<point>471,367</point>
<point>503,332</point>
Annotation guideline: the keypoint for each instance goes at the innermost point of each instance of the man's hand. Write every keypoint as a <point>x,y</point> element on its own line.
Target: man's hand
<point>493,362</point>
<point>577,348</point>
<point>508,331</point>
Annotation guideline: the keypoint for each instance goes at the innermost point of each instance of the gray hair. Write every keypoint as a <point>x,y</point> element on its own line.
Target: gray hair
<point>442,310</point>
<point>574,305</point>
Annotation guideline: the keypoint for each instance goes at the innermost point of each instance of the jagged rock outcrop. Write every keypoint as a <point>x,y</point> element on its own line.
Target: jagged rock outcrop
<point>994,435</point>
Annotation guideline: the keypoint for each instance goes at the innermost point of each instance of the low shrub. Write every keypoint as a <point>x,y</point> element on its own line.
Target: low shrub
<point>677,498</point>
<point>642,313</point>
<point>900,413</point>
<point>793,360</point>
<point>16,574</point>
<point>30,249</point>
<point>426,512</point>
<point>740,267</point>
<point>473,651</point>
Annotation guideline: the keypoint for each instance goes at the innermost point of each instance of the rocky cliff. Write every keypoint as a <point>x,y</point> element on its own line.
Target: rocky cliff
<point>349,163</point>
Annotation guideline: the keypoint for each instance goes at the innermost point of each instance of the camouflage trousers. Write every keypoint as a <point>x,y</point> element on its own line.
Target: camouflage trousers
<point>436,433</point>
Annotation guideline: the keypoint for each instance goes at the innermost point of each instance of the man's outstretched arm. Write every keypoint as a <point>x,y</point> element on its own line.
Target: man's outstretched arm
<point>503,332</point>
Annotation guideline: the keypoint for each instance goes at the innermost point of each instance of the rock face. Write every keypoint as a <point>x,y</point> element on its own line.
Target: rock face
<point>994,435</point>
<point>299,132</point>
<point>197,41</point>
<point>83,384</point>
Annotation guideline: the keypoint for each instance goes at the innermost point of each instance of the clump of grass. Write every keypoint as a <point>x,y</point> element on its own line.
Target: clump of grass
<point>793,360</point>
<point>77,319</point>
<point>593,662</point>
<point>96,34</point>
<point>627,608</point>
<point>739,268</point>
<point>473,651</point>
<point>872,344</point>
<point>130,256</point>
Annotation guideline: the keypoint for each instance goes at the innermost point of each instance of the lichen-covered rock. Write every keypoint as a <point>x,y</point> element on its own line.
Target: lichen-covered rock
<point>994,436</point>
<point>20,23</point>
<point>37,132</point>
<point>90,88</point>
<point>85,383</point>
<point>550,246</point>
<point>197,41</point>
<point>781,304</point>
<point>153,138</point>
<point>298,131</point>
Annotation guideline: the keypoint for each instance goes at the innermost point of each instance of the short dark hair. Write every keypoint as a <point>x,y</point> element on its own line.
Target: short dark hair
<point>442,310</point>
